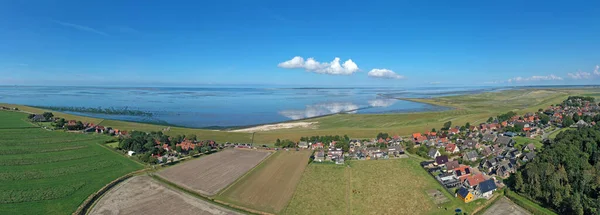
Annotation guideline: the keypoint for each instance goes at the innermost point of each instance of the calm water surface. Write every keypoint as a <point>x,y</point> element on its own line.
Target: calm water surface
<point>204,107</point>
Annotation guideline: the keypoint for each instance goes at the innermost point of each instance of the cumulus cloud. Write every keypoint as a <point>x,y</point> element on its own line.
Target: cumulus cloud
<point>384,73</point>
<point>320,110</point>
<point>580,75</point>
<point>311,65</point>
<point>585,75</point>
<point>536,78</point>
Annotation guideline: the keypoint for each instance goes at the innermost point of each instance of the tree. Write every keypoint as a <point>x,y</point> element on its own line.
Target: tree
<point>433,130</point>
<point>544,119</point>
<point>518,182</point>
<point>567,122</point>
<point>30,116</point>
<point>164,159</point>
<point>48,115</point>
<point>576,117</point>
<point>540,110</point>
<point>178,149</point>
<point>447,125</point>
<point>490,120</point>
<point>468,125</point>
<point>191,137</point>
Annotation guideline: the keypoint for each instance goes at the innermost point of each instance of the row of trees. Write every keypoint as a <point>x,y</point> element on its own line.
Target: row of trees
<point>565,176</point>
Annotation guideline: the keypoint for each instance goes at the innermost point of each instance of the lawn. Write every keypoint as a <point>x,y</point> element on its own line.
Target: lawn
<point>371,187</point>
<point>52,172</point>
<point>270,186</point>
<point>523,141</point>
<point>553,135</point>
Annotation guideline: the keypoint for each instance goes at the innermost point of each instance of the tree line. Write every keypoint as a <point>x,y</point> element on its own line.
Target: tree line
<point>565,176</point>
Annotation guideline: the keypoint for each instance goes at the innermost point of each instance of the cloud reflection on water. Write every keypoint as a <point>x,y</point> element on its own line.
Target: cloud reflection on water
<point>320,110</point>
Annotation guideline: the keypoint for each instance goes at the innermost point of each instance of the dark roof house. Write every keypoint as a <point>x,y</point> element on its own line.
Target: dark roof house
<point>441,159</point>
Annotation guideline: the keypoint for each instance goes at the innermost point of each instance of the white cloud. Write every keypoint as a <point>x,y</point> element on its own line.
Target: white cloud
<point>585,75</point>
<point>311,65</point>
<point>536,78</point>
<point>384,73</point>
<point>580,75</point>
<point>80,27</point>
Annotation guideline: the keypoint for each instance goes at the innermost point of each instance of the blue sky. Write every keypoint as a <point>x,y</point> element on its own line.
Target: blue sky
<point>191,43</point>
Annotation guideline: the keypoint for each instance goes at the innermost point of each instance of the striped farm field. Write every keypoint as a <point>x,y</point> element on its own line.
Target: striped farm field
<point>50,172</point>
<point>270,186</point>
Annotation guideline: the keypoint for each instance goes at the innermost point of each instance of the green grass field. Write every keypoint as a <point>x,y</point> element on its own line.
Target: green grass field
<point>553,135</point>
<point>371,187</point>
<point>523,141</point>
<point>51,172</point>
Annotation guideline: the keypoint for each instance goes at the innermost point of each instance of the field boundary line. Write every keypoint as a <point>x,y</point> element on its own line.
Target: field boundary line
<point>245,174</point>
<point>203,197</point>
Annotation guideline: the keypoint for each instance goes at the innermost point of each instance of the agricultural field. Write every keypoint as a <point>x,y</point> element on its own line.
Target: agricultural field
<point>50,172</point>
<point>270,186</point>
<point>397,186</point>
<point>505,207</point>
<point>209,174</point>
<point>144,195</point>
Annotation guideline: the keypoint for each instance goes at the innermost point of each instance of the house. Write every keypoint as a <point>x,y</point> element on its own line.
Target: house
<point>486,188</point>
<point>449,180</point>
<point>316,146</point>
<point>335,152</point>
<point>130,153</point>
<point>529,147</point>
<point>433,153</point>
<point>38,118</point>
<point>416,135</point>
<point>464,195</point>
<point>510,134</point>
<point>528,157</point>
<point>505,141</point>
<point>320,156</point>
<point>441,160</point>
<point>470,144</point>
<point>395,150</point>
<point>454,131</point>
<point>339,160</point>
<point>505,168</point>
<point>489,138</point>
<point>581,124</point>
<point>474,180</point>
<point>451,165</point>
<point>462,171</point>
<point>471,156</point>
<point>303,145</point>
<point>451,148</point>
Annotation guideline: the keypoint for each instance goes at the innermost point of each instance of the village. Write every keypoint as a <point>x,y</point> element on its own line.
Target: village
<point>470,161</point>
